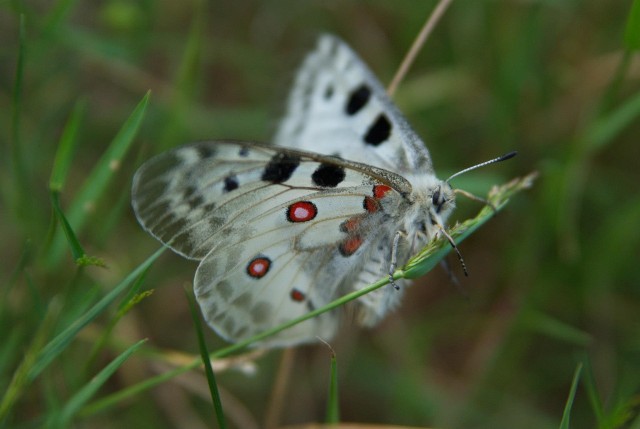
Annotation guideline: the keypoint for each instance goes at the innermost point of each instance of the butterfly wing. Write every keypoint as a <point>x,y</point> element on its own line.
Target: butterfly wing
<point>338,107</point>
<point>276,230</point>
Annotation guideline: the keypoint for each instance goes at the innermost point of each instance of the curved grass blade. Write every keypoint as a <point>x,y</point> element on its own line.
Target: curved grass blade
<point>100,177</point>
<point>62,340</point>
<point>566,415</point>
<point>632,30</point>
<point>430,257</point>
<point>204,354</point>
<point>70,410</point>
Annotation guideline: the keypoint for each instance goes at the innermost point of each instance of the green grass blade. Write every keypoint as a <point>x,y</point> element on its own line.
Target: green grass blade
<point>131,299</point>
<point>20,190</point>
<point>102,174</point>
<point>131,392</point>
<point>333,406</point>
<point>206,360</point>
<point>61,167</point>
<point>433,253</point>
<point>56,18</point>
<point>632,30</point>
<point>592,392</point>
<point>25,257</point>
<point>607,128</point>
<point>566,415</point>
<point>70,410</point>
<point>21,379</point>
<point>66,148</point>
<point>77,252</point>
<point>418,266</point>
<point>17,97</point>
<point>60,342</point>
<point>554,328</point>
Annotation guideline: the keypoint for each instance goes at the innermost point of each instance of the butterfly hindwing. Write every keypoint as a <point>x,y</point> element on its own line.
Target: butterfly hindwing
<point>277,230</point>
<point>337,106</point>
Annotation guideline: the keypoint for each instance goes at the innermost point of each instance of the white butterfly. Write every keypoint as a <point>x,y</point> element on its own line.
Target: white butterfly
<point>282,230</point>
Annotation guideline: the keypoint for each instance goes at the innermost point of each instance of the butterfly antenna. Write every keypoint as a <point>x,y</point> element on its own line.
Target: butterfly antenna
<point>482,164</point>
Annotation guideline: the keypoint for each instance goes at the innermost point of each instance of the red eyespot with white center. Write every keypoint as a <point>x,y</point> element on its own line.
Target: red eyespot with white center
<point>258,267</point>
<point>302,211</point>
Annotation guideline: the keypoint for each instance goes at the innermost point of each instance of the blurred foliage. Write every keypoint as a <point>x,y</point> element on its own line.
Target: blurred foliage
<point>553,278</point>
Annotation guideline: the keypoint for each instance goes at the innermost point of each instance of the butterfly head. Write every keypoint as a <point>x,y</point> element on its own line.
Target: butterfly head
<point>443,199</point>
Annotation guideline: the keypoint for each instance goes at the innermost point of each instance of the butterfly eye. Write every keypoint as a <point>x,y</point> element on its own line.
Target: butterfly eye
<point>435,198</point>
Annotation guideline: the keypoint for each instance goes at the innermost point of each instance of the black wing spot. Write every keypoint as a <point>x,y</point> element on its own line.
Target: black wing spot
<point>280,168</point>
<point>244,151</point>
<point>205,151</point>
<point>379,131</point>
<point>328,175</point>
<point>358,99</point>
<point>230,183</point>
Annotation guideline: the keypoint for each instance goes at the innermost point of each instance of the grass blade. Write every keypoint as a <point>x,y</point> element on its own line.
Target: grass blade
<point>333,406</point>
<point>70,410</point>
<point>204,354</point>
<point>77,252</point>
<point>102,174</point>
<point>592,393</point>
<point>435,251</point>
<point>21,378</point>
<point>62,340</point>
<point>607,128</point>
<point>130,300</point>
<point>20,191</point>
<point>430,257</point>
<point>632,31</point>
<point>66,148</point>
<point>564,424</point>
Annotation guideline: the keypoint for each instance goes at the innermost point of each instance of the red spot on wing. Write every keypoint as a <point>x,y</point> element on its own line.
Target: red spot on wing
<point>351,225</point>
<point>258,267</point>
<point>297,296</point>
<point>379,191</point>
<point>302,211</point>
<point>349,246</point>
<point>371,204</point>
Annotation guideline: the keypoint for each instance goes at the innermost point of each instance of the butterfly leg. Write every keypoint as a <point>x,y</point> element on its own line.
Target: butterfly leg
<point>394,259</point>
<point>476,198</point>
<point>444,232</point>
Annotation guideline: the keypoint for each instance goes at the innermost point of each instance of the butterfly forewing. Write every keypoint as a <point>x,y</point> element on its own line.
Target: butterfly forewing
<point>337,106</point>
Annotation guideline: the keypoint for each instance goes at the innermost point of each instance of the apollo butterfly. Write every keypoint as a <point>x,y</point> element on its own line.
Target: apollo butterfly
<point>280,230</point>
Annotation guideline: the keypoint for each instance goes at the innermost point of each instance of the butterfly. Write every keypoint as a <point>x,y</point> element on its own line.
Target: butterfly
<point>347,191</point>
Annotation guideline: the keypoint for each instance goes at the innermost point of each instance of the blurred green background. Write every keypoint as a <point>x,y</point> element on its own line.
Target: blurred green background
<point>554,278</point>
